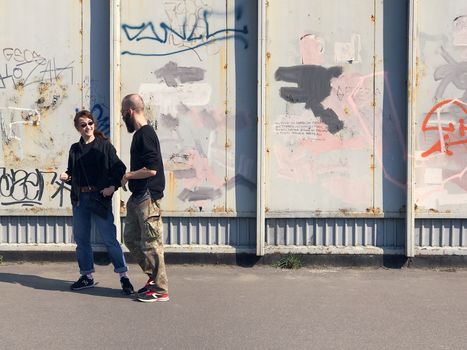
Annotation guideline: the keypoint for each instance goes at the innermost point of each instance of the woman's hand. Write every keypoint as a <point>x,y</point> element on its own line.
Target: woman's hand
<point>108,191</point>
<point>65,177</point>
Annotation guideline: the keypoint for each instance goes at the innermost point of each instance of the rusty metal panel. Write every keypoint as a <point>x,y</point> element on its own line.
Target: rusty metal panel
<point>319,107</point>
<point>439,100</point>
<point>177,55</point>
<point>44,78</point>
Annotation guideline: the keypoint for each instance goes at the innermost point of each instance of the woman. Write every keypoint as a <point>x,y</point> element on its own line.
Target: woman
<point>94,172</point>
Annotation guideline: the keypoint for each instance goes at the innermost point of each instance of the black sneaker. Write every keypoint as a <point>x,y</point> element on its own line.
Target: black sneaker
<point>83,283</point>
<point>127,287</point>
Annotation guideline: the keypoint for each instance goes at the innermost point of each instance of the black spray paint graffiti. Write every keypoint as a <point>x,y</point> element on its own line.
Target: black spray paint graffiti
<point>172,74</point>
<point>20,187</point>
<point>188,34</point>
<point>451,73</point>
<point>26,67</point>
<point>313,86</point>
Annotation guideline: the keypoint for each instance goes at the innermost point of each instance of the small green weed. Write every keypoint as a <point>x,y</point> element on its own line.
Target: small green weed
<point>289,261</point>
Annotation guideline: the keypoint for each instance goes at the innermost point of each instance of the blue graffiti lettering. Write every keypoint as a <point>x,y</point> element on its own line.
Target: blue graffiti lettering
<point>146,31</point>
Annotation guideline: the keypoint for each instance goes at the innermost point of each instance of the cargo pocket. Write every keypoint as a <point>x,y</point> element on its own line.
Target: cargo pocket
<point>153,224</point>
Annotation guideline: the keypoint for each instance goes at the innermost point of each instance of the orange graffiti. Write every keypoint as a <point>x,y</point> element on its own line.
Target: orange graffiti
<point>449,130</point>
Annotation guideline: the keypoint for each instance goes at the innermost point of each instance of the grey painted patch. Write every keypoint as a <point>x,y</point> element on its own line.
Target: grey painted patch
<point>181,108</point>
<point>240,180</point>
<point>173,74</point>
<point>185,173</point>
<point>199,148</point>
<point>208,120</point>
<point>313,86</point>
<point>201,193</point>
<point>169,122</point>
<point>451,73</point>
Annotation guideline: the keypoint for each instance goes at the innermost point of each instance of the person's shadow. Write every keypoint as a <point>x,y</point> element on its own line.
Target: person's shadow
<point>50,284</point>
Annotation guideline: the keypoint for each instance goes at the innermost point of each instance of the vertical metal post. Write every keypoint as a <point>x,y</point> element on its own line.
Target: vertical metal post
<point>412,85</point>
<point>115,97</point>
<point>260,200</point>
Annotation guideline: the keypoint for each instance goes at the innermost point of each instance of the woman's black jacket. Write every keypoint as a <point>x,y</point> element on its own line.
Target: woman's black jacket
<point>108,169</point>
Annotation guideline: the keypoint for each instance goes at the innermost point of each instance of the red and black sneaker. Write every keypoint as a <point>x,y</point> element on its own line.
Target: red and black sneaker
<point>150,297</point>
<point>147,287</point>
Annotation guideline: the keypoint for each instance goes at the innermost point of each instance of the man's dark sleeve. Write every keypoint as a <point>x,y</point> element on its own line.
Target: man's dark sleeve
<point>151,153</point>
<point>116,167</point>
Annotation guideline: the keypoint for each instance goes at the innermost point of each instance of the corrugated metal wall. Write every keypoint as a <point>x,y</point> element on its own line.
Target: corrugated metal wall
<point>334,119</point>
<point>439,106</point>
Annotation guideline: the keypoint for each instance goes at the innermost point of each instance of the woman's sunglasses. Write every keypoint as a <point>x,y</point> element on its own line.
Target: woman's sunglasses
<point>86,124</point>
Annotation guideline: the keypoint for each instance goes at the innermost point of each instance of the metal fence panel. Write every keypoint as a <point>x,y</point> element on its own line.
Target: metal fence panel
<point>185,58</point>
<point>40,87</point>
<point>334,141</point>
<point>440,104</point>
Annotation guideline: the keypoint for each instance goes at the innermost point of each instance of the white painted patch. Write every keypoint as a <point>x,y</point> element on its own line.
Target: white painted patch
<point>433,176</point>
<point>168,98</point>
<point>452,199</point>
<point>348,52</point>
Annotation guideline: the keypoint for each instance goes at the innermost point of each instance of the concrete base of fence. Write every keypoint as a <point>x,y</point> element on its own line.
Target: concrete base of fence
<point>249,260</point>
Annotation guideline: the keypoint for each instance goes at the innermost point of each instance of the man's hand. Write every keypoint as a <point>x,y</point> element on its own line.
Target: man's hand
<point>108,191</point>
<point>65,177</point>
<point>124,181</point>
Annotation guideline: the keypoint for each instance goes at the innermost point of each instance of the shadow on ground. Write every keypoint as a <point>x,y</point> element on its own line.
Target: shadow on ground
<point>51,284</point>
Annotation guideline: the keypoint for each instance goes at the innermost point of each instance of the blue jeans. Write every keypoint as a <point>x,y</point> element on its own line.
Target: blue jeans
<point>82,234</point>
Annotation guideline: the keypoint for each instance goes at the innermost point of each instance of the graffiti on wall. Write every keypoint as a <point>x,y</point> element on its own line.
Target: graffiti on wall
<point>24,67</point>
<point>186,28</point>
<point>440,164</point>
<point>28,188</point>
<point>192,135</point>
<point>339,114</point>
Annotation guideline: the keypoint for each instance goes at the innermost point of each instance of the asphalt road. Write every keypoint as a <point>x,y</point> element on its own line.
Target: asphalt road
<point>226,307</point>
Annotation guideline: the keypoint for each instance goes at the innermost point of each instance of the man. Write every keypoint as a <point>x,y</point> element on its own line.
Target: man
<point>143,230</point>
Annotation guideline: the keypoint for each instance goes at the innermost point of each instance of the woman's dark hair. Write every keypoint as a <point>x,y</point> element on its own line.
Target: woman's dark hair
<point>86,114</point>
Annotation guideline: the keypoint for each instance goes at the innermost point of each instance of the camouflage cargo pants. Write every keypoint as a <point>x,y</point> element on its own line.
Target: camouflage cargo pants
<point>143,237</point>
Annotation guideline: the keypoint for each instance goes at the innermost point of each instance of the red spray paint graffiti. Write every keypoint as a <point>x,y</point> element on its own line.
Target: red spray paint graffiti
<point>448,136</point>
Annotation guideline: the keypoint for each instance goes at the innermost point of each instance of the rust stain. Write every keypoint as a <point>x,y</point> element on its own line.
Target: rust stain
<point>268,55</point>
<point>318,212</point>
<point>218,209</point>
<point>344,211</point>
<point>346,110</point>
<point>373,18</point>
<point>417,72</point>
<point>227,144</point>
<point>170,189</point>
<point>373,210</point>
<point>266,210</point>
<point>431,210</point>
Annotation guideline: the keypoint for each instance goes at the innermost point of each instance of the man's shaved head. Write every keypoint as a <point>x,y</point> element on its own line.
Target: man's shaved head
<point>133,101</point>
